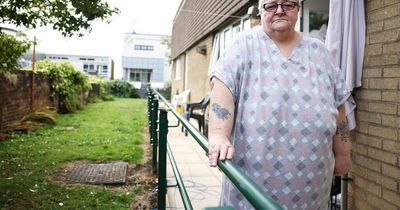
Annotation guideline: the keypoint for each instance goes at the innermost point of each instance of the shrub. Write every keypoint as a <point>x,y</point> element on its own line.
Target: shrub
<point>121,88</point>
<point>11,50</point>
<point>70,85</point>
<point>166,91</point>
<point>98,92</point>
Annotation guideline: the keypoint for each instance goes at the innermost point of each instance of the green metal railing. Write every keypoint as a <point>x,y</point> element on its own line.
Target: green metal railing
<point>250,190</point>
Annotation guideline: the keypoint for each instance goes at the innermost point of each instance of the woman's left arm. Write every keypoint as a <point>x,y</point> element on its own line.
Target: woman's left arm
<point>341,145</point>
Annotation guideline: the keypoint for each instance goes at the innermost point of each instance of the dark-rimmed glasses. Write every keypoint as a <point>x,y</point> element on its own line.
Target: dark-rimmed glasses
<point>286,6</point>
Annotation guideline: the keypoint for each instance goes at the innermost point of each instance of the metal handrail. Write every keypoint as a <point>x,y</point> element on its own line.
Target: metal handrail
<point>250,190</point>
<point>179,181</point>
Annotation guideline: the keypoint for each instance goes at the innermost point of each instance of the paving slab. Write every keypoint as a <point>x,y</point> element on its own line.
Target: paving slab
<point>202,183</point>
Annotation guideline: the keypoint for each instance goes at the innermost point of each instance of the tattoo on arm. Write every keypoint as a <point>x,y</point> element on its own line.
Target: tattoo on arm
<point>343,130</point>
<point>221,112</point>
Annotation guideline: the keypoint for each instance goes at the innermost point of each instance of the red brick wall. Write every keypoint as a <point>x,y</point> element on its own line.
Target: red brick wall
<point>15,99</point>
<point>376,145</point>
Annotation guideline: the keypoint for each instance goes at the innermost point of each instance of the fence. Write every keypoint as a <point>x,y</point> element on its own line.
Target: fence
<point>158,122</point>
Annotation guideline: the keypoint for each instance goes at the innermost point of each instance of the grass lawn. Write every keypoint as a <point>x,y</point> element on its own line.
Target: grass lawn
<point>102,131</point>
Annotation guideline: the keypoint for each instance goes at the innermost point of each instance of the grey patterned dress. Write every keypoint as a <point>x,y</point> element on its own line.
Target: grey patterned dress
<point>285,117</point>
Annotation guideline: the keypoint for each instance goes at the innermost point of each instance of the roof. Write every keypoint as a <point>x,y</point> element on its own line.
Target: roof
<point>197,19</point>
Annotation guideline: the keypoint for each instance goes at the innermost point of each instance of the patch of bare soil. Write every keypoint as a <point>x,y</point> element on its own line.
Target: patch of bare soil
<point>136,175</point>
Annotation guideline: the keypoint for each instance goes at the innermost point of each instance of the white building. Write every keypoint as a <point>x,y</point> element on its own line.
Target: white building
<point>92,65</point>
<point>144,60</point>
<point>9,30</point>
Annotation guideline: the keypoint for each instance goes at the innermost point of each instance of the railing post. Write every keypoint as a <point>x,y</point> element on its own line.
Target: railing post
<point>150,113</point>
<point>154,126</point>
<point>162,160</point>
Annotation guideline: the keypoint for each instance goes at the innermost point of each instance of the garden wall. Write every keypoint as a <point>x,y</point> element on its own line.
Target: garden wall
<point>15,97</point>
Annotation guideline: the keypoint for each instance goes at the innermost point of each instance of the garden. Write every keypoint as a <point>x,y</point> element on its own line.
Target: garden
<point>33,165</point>
<point>87,125</point>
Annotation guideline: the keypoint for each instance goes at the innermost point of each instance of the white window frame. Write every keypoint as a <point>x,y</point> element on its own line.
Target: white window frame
<point>186,69</point>
<point>214,53</point>
<point>177,69</point>
<point>221,42</point>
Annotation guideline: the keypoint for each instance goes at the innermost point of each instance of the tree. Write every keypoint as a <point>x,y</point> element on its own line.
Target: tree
<point>166,40</point>
<point>67,16</point>
<point>11,50</point>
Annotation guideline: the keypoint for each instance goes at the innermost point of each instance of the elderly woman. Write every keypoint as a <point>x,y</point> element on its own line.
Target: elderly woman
<point>276,112</point>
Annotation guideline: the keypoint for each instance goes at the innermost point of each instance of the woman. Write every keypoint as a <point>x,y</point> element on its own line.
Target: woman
<point>276,112</point>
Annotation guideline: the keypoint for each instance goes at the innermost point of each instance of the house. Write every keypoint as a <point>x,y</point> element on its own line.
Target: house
<point>144,60</point>
<point>9,30</point>
<point>92,65</point>
<point>203,29</point>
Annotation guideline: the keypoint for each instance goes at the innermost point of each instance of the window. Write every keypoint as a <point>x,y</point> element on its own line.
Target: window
<point>225,37</point>
<point>214,53</point>
<point>177,69</point>
<point>140,75</point>
<point>105,69</point>
<point>246,24</point>
<point>236,28</point>
<point>85,67</point>
<point>144,47</point>
<point>186,70</point>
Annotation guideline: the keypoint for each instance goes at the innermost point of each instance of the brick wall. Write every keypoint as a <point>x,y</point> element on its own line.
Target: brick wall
<point>376,145</point>
<point>15,99</point>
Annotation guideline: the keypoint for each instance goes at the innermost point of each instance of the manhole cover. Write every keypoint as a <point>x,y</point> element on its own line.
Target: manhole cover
<point>108,173</point>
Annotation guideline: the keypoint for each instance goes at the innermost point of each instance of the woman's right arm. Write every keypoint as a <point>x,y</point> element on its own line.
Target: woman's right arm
<point>221,118</point>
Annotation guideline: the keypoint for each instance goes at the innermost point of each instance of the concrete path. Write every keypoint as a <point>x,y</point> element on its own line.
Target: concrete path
<point>202,183</point>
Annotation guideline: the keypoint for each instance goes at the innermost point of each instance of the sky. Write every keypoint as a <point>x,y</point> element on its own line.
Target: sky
<point>141,16</point>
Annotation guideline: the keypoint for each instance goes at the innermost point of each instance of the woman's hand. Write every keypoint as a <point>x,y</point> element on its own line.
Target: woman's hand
<point>342,165</point>
<point>219,148</point>
<point>341,151</point>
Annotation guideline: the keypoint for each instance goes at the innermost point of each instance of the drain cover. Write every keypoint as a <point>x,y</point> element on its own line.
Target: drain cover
<point>108,173</point>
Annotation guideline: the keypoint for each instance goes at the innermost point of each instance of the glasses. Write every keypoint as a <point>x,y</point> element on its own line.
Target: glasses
<point>286,6</point>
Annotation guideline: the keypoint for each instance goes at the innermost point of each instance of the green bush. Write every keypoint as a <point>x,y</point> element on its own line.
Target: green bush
<point>70,85</point>
<point>10,51</point>
<point>122,89</point>
<point>166,91</point>
<point>101,93</point>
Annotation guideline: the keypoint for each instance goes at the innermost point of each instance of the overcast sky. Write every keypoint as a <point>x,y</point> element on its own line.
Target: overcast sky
<point>143,16</point>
